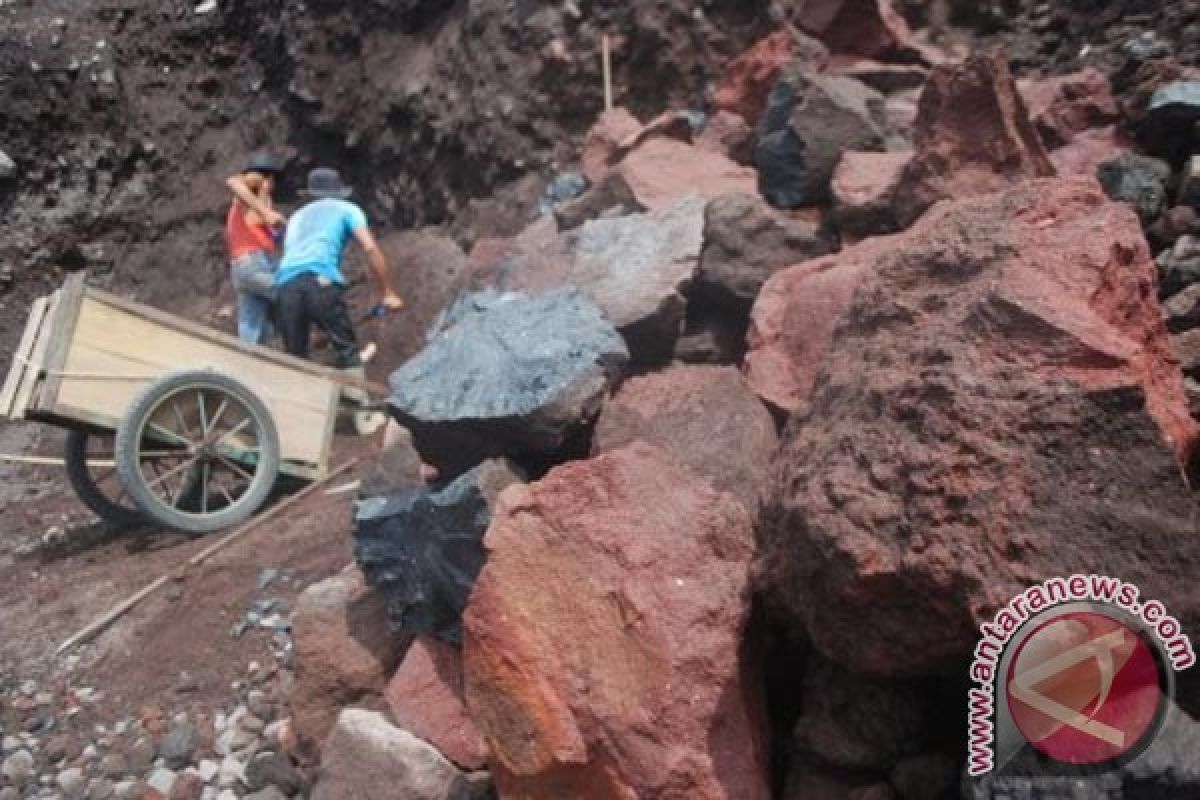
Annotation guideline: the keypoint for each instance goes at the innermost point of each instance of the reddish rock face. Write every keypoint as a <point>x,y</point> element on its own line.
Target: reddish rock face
<point>972,136</point>
<point>864,192</point>
<point>602,650</point>
<point>1064,105</point>
<point>426,699</point>
<point>749,77</point>
<point>604,139</point>
<point>869,28</point>
<point>792,324</point>
<point>344,653</point>
<point>663,171</point>
<point>1090,149</point>
<point>998,406</point>
<point>705,417</point>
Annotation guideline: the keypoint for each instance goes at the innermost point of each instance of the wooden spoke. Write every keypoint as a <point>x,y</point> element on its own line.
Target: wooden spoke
<point>170,473</point>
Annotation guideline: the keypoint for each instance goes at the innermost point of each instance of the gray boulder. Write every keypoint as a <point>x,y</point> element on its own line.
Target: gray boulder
<point>422,549</point>
<point>1137,180</point>
<point>637,269</point>
<point>746,241</point>
<point>811,119</point>
<point>507,374</point>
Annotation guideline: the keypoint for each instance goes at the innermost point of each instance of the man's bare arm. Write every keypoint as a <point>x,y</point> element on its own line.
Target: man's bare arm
<point>378,264</point>
<point>242,191</point>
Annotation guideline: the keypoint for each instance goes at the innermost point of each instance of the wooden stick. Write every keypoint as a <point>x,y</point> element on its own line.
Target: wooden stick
<point>607,60</point>
<point>102,622</point>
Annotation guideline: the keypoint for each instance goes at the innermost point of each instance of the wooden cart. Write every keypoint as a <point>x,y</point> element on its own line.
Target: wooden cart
<point>168,419</point>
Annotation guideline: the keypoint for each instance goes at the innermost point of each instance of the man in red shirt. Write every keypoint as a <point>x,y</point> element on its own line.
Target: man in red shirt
<point>250,233</point>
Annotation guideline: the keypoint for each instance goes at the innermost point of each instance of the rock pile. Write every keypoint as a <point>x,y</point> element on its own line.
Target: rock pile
<point>936,278</point>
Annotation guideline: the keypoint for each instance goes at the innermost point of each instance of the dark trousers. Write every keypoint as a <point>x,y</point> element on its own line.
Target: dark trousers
<point>303,302</point>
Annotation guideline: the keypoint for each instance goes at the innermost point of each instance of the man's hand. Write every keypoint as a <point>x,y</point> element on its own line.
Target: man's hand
<point>392,301</point>
<point>274,219</point>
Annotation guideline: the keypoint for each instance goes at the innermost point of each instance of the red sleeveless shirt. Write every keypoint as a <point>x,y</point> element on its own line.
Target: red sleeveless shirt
<point>243,238</point>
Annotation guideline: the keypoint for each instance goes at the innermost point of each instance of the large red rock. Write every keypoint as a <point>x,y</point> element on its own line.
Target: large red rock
<point>705,417</point>
<point>605,138</point>
<point>972,136</point>
<point>426,699</point>
<point>344,651</point>
<point>998,406</point>
<point>791,326</point>
<point>871,28</point>
<point>749,77</point>
<point>603,638</point>
<point>663,171</point>
<point>1064,105</point>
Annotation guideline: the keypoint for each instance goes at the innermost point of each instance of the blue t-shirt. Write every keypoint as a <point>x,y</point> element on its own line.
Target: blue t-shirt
<point>316,237</point>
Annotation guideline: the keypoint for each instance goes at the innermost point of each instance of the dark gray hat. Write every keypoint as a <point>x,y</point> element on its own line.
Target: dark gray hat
<point>325,182</point>
<point>262,162</point>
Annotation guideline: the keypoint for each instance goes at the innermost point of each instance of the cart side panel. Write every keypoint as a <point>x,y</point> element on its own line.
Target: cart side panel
<point>114,354</point>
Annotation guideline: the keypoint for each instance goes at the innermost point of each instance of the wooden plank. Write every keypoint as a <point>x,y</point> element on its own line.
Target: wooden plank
<point>233,343</point>
<point>63,331</point>
<point>37,359</point>
<point>17,371</point>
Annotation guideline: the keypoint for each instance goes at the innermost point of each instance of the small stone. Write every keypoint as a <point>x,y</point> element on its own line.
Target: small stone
<point>113,765</point>
<point>251,724</point>
<point>8,167</point>
<point>269,793</point>
<point>188,786</point>
<point>72,783</point>
<point>258,704</point>
<point>231,773</point>
<point>266,577</point>
<point>90,753</point>
<point>140,754</point>
<point>274,769</point>
<point>18,768</point>
<point>177,746</point>
<point>10,744</point>
<point>187,683</point>
<point>208,769</point>
<point>127,790</point>
<point>100,789</point>
<point>161,780</point>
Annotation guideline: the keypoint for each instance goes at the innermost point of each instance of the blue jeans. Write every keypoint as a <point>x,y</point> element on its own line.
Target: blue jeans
<point>254,283</point>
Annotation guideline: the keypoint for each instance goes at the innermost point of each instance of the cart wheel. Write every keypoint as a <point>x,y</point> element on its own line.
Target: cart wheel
<point>99,487</point>
<point>198,451</point>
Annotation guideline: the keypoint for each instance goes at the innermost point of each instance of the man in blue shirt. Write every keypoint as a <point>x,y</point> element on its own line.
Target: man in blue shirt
<point>309,279</point>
